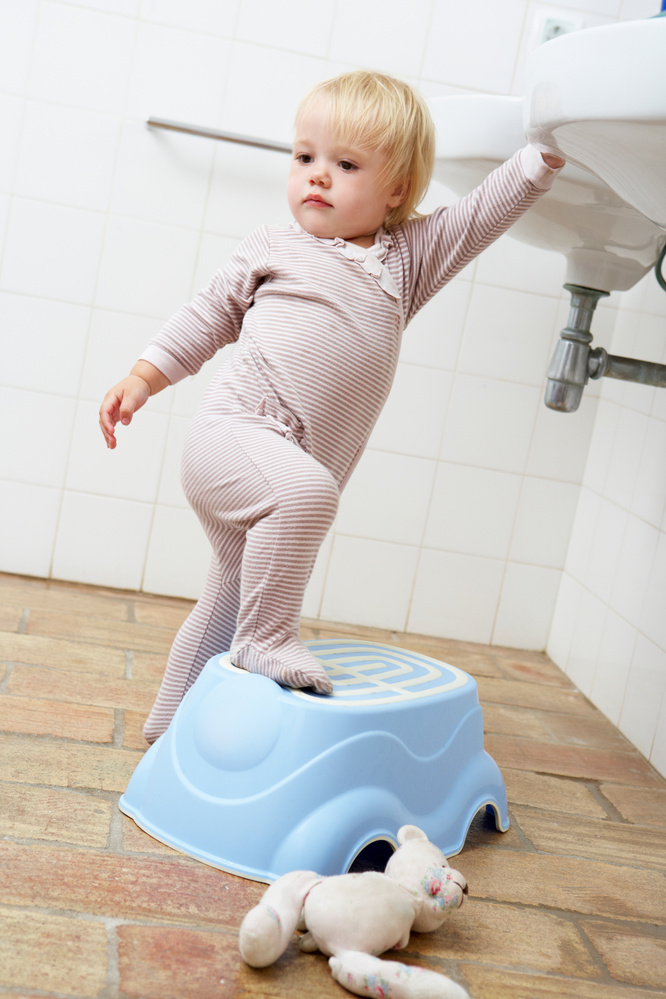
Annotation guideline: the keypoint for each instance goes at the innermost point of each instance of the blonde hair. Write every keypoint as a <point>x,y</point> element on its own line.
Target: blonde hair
<point>377,111</point>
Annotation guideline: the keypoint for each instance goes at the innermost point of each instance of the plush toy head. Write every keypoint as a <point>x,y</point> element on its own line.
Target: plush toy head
<point>353,917</point>
<point>421,867</point>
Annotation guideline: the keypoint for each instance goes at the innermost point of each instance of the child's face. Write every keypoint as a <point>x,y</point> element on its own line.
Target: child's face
<point>335,189</point>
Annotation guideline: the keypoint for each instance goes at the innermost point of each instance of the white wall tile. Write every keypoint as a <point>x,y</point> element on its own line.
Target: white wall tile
<point>561,442</point>
<point>544,521</point>
<point>102,541</point>
<point>67,156</point>
<point>526,606</point>
<point>413,418</point>
<point>288,25</point>
<point>652,619</point>
<point>254,105</point>
<point>564,620</point>
<point>387,498</point>
<point>658,752</point>
<point>177,75</point>
<point>5,202</point>
<point>434,335</point>
<point>582,534</point>
<point>146,268</point>
<point>601,445</point>
<point>214,253</point>
<point>36,433</point>
<point>472,511</point>
<point>170,489</point>
<point>28,519</point>
<point>586,641</point>
<point>381,34</point>
<point>131,470</point>
<point>81,58</point>
<point>508,335</point>
<point>11,120</point>
<point>52,251</point>
<point>369,582</point>
<point>472,48</point>
<point>607,530</point>
<point>314,591</point>
<point>615,657</point>
<point>115,341</point>
<point>456,596</point>
<point>511,263</point>
<point>162,176</point>
<point>644,695</point>
<point>489,423</point>
<point>43,344</point>
<point>248,189</point>
<point>17,28</point>
<point>179,555</point>
<point>127,8</point>
<point>632,577</point>
<point>214,16</point>
<point>625,458</point>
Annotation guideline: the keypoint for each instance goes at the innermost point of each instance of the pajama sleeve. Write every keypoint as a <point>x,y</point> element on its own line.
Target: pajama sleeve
<point>441,244</point>
<point>214,317</point>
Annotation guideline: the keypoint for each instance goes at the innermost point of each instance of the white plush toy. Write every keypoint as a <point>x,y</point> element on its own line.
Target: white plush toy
<point>353,917</point>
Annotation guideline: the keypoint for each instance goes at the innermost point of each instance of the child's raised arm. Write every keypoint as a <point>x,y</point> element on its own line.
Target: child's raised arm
<point>122,401</point>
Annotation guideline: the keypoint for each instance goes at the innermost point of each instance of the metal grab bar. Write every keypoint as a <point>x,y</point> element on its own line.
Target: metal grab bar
<point>214,133</point>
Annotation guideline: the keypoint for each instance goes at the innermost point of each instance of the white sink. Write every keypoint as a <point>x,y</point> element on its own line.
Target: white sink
<point>599,96</point>
<point>608,243</point>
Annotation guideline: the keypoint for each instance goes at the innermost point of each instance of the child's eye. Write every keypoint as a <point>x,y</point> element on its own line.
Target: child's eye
<point>304,158</point>
<point>347,166</point>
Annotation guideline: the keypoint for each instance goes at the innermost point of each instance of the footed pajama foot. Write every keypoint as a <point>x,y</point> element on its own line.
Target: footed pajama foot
<point>290,665</point>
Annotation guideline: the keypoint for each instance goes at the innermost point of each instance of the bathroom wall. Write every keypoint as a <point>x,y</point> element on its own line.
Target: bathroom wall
<point>474,506</point>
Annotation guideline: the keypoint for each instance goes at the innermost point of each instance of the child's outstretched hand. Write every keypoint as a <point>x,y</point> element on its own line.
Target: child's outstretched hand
<point>122,401</point>
<point>120,404</point>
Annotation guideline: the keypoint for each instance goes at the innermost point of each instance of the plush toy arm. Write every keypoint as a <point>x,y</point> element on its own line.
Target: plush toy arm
<point>365,975</point>
<point>267,929</point>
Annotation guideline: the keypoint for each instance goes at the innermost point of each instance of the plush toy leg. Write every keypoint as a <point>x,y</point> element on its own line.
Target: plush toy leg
<point>267,929</point>
<point>368,976</point>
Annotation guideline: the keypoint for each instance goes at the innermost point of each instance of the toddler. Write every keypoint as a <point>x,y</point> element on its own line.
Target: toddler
<point>316,310</point>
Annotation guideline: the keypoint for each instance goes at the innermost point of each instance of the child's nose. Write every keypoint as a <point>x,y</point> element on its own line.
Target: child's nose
<point>319,175</point>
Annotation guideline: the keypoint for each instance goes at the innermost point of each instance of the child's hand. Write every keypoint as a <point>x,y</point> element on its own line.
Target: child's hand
<point>554,162</point>
<point>120,404</point>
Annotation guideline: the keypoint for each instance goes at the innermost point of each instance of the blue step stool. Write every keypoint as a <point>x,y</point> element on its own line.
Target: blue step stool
<point>259,780</point>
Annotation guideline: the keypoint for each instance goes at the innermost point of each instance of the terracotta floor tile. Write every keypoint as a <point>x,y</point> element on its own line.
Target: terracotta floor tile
<point>52,814</point>
<point>133,737</point>
<point>34,716</point>
<point>645,806</point>
<point>535,667</point>
<point>135,840</point>
<point>169,963</point>
<point>509,937</point>
<point>82,688</point>
<point>542,921</point>
<point>596,732</point>
<point>78,656</point>
<point>599,839</point>
<point>10,617</point>
<point>506,720</point>
<point>41,761</point>
<point>571,761</point>
<point>98,631</point>
<point>633,954</point>
<point>99,883</point>
<point>148,667</point>
<point>495,983</point>
<point>556,793</point>
<point>74,599</point>
<point>534,695</point>
<point>53,953</point>
<point>564,883</point>
<point>168,615</point>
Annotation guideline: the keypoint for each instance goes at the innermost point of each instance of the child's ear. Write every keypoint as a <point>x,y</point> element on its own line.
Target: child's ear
<point>399,193</point>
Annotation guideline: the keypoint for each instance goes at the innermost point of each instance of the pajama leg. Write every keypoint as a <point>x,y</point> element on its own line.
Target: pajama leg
<point>206,632</point>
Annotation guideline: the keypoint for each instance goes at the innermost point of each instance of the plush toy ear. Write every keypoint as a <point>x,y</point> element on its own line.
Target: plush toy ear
<point>406,833</point>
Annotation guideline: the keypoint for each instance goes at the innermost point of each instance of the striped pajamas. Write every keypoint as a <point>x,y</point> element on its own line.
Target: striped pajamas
<point>316,326</point>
